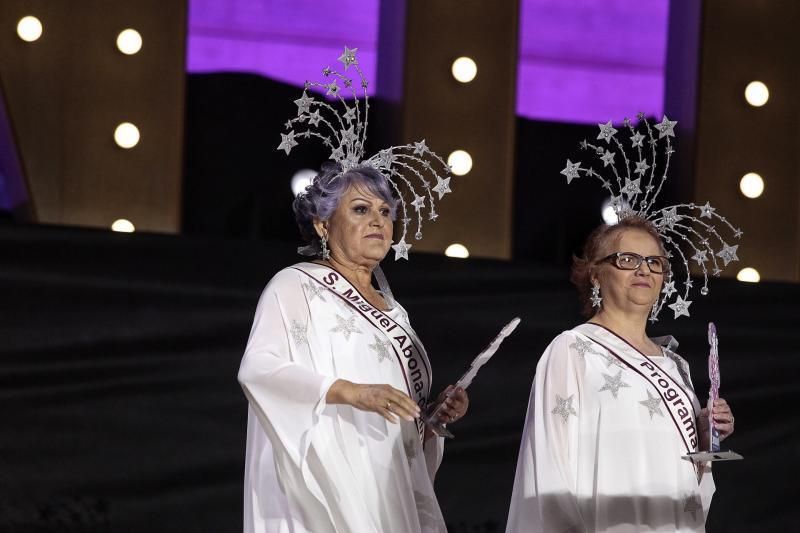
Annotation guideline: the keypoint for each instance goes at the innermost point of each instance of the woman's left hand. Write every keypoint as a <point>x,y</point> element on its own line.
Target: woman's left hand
<point>454,407</point>
<point>723,418</point>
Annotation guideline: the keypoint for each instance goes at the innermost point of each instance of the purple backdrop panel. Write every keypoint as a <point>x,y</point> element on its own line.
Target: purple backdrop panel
<point>579,60</point>
<point>286,40</point>
<point>591,60</point>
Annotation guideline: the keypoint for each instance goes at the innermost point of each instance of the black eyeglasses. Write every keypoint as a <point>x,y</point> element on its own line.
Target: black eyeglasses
<point>658,264</point>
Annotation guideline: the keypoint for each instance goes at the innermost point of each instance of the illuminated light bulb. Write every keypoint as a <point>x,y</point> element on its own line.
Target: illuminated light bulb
<point>29,28</point>
<point>457,250</point>
<point>302,179</point>
<point>123,225</point>
<point>464,69</point>
<point>129,41</point>
<point>749,275</point>
<point>460,162</point>
<point>751,185</point>
<point>756,93</point>
<point>126,135</point>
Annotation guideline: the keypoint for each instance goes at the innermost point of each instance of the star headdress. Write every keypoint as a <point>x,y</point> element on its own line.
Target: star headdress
<point>344,132</point>
<point>630,172</point>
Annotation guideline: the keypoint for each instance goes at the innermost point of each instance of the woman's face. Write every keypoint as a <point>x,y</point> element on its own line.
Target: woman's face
<point>360,229</point>
<point>624,289</point>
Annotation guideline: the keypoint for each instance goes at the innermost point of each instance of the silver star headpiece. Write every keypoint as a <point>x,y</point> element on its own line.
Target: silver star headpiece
<point>344,132</point>
<point>631,175</point>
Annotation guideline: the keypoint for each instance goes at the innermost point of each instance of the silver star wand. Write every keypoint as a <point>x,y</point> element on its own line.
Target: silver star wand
<point>714,453</point>
<point>431,418</point>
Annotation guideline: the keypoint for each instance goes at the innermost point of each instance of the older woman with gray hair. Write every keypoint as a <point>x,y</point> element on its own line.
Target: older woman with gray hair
<point>337,379</point>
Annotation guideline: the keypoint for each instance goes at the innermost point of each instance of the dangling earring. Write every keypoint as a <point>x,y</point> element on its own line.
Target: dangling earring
<point>654,312</point>
<point>596,298</point>
<point>325,254</point>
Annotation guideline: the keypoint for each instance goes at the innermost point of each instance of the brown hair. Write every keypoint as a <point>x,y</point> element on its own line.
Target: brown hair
<point>597,246</point>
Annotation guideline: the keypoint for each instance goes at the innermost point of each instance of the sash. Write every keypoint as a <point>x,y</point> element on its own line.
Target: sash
<point>407,350</point>
<point>677,401</point>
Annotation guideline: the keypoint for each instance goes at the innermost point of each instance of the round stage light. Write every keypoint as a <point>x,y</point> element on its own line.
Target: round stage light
<point>608,213</point>
<point>756,93</point>
<point>123,225</point>
<point>126,135</point>
<point>29,28</point>
<point>302,179</point>
<point>749,275</point>
<point>460,162</point>
<point>464,69</point>
<point>129,41</point>
<point>457,250</point>
<point>751,185</point>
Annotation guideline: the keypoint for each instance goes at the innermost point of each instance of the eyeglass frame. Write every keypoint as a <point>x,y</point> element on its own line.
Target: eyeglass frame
<point>642,259</point>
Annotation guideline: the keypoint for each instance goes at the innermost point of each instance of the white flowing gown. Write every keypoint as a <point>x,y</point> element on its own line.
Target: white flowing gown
<point>600,450</point>
<point>318,468</point>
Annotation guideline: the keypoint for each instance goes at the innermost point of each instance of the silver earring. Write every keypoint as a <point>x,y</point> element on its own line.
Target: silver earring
<point>654,312</point>
<point>596,298</point>
<point>325,254</point>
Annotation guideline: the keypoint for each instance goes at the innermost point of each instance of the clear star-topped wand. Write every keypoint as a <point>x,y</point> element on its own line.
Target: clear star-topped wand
<point>431,418</point>
<point>714,452</point>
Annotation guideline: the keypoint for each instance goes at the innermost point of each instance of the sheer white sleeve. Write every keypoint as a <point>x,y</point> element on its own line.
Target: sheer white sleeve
<point>545,488</point>
<point>283,382</point>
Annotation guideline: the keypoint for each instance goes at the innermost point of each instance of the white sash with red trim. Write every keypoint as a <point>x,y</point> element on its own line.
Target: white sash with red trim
<point>407,349</point>
<point>678,402</point>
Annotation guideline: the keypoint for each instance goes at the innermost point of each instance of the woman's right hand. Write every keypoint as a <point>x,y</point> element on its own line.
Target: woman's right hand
<point>382,399</point>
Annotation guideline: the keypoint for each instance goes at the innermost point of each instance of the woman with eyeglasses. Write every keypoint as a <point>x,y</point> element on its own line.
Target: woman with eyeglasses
<point>612,411</point>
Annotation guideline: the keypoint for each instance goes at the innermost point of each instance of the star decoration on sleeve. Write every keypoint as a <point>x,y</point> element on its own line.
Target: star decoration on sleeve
<point>680,306</point>
<point>728,253</point>
<point>314,290</point>
<point>287,142</point>
<point>653,405</point>
<point>581,346</point>
<point>345,326</point>
<point>381,348</point>
<point>442,186</point>
<point>666,127</point>
<point>613,384</point>
<point>607,131</point>
<point>298,332</point>
<point>571,171</point>
<point>564,407</point>
<point>401,249</point>
<point>691,505</point>
<point>348,57</point>
<point>610,359</point>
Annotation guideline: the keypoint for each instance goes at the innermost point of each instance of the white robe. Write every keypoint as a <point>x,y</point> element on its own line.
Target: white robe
<point>600,452</point>
<point>318,468</point>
